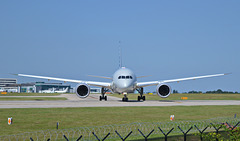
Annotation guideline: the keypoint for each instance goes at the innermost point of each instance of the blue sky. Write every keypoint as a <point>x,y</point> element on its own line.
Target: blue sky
<point>165,39</point>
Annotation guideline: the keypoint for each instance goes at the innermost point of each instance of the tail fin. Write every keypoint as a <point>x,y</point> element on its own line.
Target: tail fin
<point>120,54</point>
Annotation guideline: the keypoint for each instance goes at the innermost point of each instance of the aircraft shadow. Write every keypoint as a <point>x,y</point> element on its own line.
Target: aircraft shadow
<point>167,101</point>
<point>130,101</point>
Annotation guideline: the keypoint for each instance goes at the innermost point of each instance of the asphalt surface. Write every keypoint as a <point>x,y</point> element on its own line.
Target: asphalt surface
<point>93,101</point>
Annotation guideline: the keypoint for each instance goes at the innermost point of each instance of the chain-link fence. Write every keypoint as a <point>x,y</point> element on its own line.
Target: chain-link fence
<point>121,132</point>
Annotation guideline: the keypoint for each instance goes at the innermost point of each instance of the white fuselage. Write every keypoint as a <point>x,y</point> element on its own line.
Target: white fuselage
<point>124,81</point>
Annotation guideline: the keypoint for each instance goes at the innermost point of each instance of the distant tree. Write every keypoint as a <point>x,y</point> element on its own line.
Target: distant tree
<point>194,92</point>
<point>219,91</point>
<point>175,91</point>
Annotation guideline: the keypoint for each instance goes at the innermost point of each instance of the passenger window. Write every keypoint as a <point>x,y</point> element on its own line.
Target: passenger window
<point>119,77</point>
<point>127,77</point>
<point>123,77</point>
<point>131,77</point>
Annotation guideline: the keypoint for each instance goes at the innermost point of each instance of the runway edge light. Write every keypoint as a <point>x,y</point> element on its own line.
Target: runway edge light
<point>10,121</point>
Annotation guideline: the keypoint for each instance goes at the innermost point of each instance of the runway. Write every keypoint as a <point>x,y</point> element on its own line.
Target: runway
<point>93,101</point>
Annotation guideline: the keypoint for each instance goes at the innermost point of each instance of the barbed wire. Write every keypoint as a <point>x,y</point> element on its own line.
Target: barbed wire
<point>122,129</point>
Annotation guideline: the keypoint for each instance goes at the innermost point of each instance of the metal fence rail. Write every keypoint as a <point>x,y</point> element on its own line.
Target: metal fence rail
<point>120,132</point>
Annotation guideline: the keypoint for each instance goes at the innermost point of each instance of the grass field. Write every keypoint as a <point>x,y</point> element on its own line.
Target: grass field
<point>31,98</point>
<point>149,97</point>
<point>30,94</point>
<point>190,96</point>
<point>35,119</point>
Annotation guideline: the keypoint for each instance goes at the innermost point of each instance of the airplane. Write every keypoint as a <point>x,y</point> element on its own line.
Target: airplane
<point>52,90</point>
<point>62,91</point>
<point>124,81</point>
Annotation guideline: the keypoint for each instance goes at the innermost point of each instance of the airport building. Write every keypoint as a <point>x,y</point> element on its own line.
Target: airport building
<point>8,84</point>
<point>95,90</point>
<point>42,87</point>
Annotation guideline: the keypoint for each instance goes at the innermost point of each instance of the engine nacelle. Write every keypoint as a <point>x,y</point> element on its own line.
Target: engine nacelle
<point>82,90</point>
<point>163,90</point>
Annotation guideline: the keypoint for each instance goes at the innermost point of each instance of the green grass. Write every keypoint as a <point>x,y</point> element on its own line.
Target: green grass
<point>31,98</point>
<point>190,96</point>
<point>30,94</point>
<point>35,119</point>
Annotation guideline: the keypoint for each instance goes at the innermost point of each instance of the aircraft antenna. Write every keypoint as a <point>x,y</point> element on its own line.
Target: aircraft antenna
<point>120,54</point>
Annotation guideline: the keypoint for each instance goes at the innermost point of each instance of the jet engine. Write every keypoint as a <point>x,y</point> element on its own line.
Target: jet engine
<point>163,90</point>
<point>82,90</point>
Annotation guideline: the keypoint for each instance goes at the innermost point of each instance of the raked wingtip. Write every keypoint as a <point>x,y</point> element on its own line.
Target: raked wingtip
<point>14,74</point>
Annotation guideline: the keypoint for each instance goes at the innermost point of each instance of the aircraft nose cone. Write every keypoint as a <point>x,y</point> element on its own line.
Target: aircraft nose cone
<point>125,85</point>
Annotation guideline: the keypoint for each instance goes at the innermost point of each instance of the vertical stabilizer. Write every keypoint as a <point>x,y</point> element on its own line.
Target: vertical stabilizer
<point>120,54</point>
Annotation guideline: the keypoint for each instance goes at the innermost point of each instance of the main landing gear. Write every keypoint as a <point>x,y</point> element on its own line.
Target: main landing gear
<point>141,97</point>
<point>103,97</point>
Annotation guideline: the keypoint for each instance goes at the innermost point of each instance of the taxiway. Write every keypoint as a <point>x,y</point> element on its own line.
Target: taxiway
<point>93,101</point>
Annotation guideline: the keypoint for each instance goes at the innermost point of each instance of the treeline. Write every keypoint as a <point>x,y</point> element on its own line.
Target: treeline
<point>219,91</point>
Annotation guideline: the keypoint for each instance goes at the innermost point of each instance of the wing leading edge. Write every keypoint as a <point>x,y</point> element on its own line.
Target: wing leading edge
<point>92,83</point>
<point>152,83</point>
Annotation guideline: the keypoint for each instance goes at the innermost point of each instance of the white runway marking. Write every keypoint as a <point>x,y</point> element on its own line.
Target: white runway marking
<point>93,101</point>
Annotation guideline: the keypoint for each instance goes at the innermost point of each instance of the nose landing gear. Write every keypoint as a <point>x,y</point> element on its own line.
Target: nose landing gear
<point>125,97</point>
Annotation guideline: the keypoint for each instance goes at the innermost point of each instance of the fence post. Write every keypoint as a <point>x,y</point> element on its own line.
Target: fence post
<point>145,137</point>
<point>33,140</point>
<point>217,129</point>
<point>164,133</point>
<point>232,127</point>
<point>98,138</point>
<point>185,134</point>
<point>79,138</point>
<point>65,138</point>
<point>125,137</point>
<point>201,132</point>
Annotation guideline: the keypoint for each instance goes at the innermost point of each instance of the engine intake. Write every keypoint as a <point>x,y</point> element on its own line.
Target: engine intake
<point>82,90</point>
<point>163,90</point>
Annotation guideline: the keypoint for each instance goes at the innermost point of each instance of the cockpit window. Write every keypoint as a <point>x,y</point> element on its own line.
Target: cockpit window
<point>125,77</point>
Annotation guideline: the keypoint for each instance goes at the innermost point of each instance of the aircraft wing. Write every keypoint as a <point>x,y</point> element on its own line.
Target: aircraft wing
<point>152,83</point>
<point>92,83</point>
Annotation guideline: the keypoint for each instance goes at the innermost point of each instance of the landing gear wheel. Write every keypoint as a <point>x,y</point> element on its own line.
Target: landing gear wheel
<point>139,98</point>
<point>140,90</point>
<point>143,98</point>
<point>124,99</point>
<point>103,97</point>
